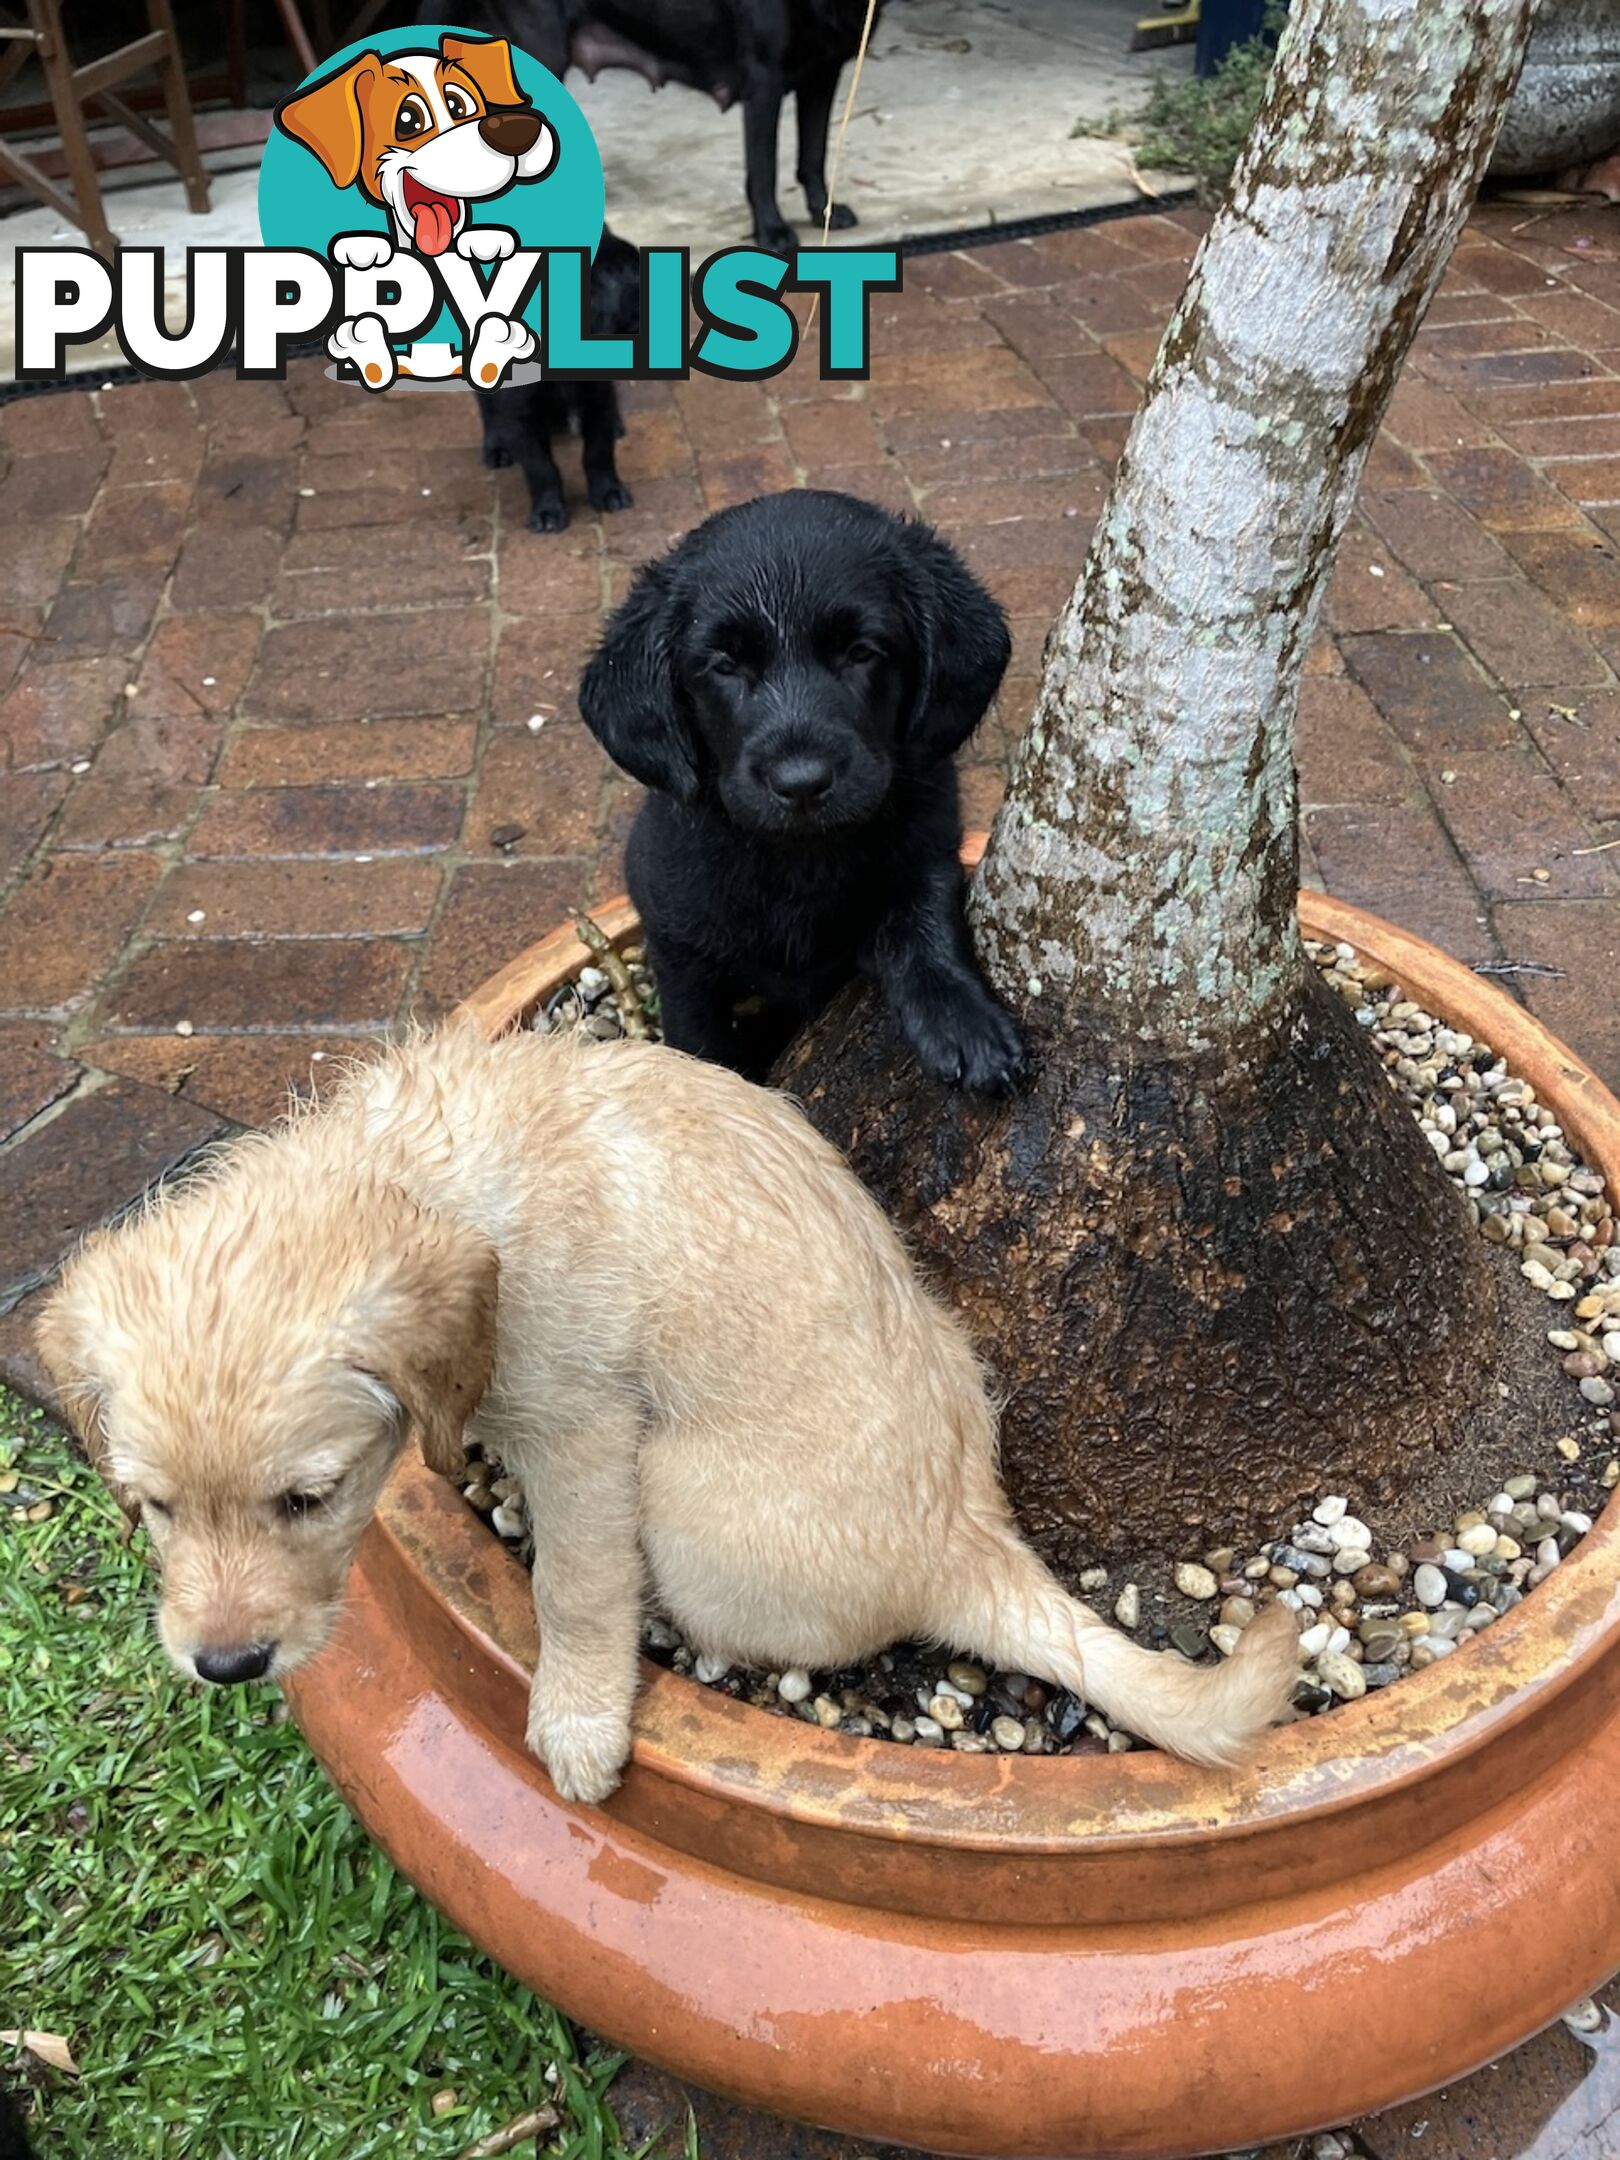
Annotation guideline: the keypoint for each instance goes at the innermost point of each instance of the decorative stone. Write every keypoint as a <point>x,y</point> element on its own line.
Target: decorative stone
<point>1342,1675</point>
<point>1429,1585</point>
<point>1194,1581</point>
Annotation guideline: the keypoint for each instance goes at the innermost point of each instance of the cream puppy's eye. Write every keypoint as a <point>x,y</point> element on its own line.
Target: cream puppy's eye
<point>457,103</point>
<point>296,1505</point>
<point>413,119</point>
<point>160,1508</point>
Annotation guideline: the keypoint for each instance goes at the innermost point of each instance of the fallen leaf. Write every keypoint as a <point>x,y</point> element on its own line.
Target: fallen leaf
<point>49,2047</point>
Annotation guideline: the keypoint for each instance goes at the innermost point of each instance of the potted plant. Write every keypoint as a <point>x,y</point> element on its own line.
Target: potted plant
<point>1005,1954</point>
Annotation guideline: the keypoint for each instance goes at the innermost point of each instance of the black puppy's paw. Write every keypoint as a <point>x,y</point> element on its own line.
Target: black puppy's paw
<point>843,217</point>
<point>548,517</point>
<point>776,236</point>
<point>611,495</point>
<point>972,1044</point>
<point>496,456</point>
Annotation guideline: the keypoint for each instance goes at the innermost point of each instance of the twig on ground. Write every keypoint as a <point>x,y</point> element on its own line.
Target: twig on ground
<point>534,2123</point>
<point>611,961</point>
<point>1602,848</point>
<point>1516,967</point>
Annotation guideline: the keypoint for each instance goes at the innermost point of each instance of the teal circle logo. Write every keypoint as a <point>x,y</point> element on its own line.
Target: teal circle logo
<point>441,142</point>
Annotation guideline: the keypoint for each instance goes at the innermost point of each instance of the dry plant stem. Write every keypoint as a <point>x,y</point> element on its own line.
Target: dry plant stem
<point>535,2123</point>
<point>611,962</point>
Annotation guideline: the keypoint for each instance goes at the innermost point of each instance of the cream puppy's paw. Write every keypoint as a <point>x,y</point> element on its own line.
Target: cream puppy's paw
<point>364,342</point>
<point>498,344</point>
<point>486,243</point>
<point>584,1751</point>
<point>362,250</point>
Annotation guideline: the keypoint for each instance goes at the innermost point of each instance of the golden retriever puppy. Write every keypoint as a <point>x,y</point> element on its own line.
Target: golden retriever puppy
<point>665,1305</point>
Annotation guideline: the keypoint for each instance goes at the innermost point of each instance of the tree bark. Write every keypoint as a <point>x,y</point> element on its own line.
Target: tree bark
<point>1210,1257</point>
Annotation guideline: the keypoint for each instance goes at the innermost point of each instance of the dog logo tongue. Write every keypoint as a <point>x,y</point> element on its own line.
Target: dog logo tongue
<point>434,217</point>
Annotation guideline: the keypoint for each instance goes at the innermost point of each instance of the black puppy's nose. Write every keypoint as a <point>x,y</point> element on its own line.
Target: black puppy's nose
<point>801,780</point>
<point>223,1667</point>
<point>511,133</point>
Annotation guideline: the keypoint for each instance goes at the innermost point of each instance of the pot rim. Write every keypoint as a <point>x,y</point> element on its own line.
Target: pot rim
<point>1517,1672</point>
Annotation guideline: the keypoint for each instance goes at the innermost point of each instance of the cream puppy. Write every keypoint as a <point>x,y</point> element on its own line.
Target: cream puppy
<point>666,1306</point>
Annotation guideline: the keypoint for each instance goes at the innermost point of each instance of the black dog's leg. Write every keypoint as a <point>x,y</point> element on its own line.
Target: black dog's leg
<point>599,428</point>
<point>815,100</point>
<point>695,1009</point>
<point>762,112</point>
<point>922,959</point>
<point>548,513</point>
<point>492,414</point>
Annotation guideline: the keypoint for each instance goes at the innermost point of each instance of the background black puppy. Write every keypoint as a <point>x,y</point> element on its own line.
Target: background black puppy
<point>755,50</point>
<point>791,681</point>
<point>521,419</point>
<point>13,2137</point>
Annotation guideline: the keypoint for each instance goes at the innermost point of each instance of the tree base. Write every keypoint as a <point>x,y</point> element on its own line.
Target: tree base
<point>1207,1290</point>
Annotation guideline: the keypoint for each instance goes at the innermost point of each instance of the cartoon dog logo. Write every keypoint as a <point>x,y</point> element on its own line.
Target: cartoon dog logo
<point>423,135</point>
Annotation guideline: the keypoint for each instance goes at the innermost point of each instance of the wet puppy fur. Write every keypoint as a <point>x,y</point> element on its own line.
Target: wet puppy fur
<point>755,51</point>
<point>521,420</point>
<point>791,682</point>
<point>669,1309</point>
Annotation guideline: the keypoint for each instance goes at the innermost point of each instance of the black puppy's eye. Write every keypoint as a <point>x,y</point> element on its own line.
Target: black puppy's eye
<point>722,663</point>
<point>863,653</point>
<point>296,1505</point>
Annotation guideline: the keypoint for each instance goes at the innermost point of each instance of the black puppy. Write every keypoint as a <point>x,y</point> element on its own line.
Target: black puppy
<point>791,680</point>
<point>753,50</point>
<point>521,418</point>
<point>13,2136</point>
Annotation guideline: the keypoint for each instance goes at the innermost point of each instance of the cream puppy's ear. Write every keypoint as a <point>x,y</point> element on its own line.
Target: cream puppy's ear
<point>65,1337</point>
<point>424,1325</point>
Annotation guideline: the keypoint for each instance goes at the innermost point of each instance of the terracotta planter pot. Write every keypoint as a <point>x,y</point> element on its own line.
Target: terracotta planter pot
<point>994,1955</point>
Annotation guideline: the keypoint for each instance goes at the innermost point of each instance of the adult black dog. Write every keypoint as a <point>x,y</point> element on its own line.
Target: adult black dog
<point>791,681</point>
<point>753,50</point>
<point>521,419</point>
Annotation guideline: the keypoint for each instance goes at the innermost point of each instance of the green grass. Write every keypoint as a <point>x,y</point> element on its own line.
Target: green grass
<point>1199,124</point>
<point>240,1974</point>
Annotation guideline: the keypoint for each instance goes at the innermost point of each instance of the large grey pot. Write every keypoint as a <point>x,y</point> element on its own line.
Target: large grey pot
<point>1566,109</point>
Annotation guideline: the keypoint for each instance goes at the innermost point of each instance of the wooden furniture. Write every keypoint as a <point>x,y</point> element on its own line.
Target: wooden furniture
<point>75,91</point>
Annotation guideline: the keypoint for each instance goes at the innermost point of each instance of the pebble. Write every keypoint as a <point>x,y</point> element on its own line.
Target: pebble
<point>966,1677</point>
<point>1237,1612</point>
<point>1520,1488</point>
<point>1093,1578</point>
<point>1374,1581</point>
<point>1342,1675</point>
<point>946,1712</point>
<point>1478,1541</point>
<point>1351,1560</point>
<point>1597,1391</point>
<point>1128,1606</point>
<point>1330,1510</point>
<point>1008,1734</point>
<point>508,1521</point>
<point>828,1713</point>
<point>1429,1585</point>
<point>1226,1638</point>
<point>710,1669</point>
<point>1194,1581</point>
<point>929,1733</point>
<point>794,1686</point>
<point>1314,1640</point>
<point>1350,1530</point>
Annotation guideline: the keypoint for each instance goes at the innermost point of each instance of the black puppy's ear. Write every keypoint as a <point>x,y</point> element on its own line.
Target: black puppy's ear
<point>963,647</point>
<point>629,697</point>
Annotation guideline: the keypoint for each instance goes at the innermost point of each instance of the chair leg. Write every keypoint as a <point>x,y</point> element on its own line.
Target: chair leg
<point>46,18</point>
<point>177,99</point>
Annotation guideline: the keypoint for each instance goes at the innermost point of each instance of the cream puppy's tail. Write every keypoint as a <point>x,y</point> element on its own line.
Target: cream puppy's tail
<point>1009,1609</point>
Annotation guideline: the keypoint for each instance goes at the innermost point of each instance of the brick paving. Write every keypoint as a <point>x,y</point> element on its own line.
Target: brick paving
<point>288,741</point>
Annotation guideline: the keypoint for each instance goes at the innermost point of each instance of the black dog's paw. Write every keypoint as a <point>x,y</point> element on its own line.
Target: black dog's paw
<point>495,456</point>
<point>776,237</point>
<point>611,495</point>
<point>549,517</point>
<point>843,217</point>
<point>972,1045</point>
